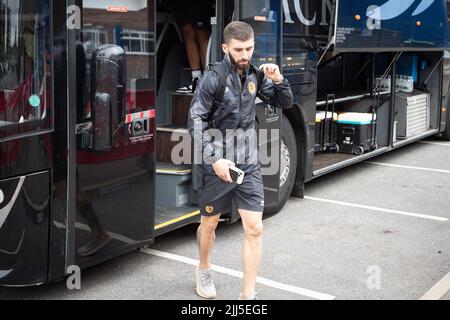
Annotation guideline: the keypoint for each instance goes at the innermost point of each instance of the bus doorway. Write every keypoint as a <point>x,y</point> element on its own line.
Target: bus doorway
<point>177,180</point>
<point>176,195</point>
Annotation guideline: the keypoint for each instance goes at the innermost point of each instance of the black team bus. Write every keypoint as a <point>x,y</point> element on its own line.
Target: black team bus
<point>90,117</point>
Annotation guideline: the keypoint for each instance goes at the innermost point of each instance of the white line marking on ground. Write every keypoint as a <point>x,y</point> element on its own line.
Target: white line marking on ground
<point>237,274</point>
<point>435,143</point>
<point>407,167</point>
<point>404,213</point>
<point>438,290</point>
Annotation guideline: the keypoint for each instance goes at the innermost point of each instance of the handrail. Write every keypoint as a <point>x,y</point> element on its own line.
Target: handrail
<point>326,50</point>
<point>432,71</point>
<point>208,52</point>
<point>170,21</point>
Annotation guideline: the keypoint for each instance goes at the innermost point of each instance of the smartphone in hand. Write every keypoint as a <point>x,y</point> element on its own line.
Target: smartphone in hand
<point>237,175</point>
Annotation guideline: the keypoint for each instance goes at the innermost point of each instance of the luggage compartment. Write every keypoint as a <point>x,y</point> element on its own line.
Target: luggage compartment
<point>400,89</point>
<point>357,99</point>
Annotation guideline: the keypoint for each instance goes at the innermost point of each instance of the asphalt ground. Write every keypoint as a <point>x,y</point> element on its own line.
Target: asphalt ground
<point>378,230</point>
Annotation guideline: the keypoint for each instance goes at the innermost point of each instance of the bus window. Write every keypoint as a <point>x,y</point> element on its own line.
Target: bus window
<point>25,58</point>
<point>294,57</point>
<point>129,27</point>
<point>262,16</point>
<point>308,18</point>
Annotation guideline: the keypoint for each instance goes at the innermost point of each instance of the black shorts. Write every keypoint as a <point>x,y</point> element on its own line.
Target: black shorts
<point>216,195</point>
<point>198,13</point>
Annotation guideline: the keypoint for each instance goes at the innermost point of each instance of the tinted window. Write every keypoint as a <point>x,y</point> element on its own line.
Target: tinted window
<point>263,16</point>
<point>25,73</point>
<point>307,18</point>
<point>133,31</point>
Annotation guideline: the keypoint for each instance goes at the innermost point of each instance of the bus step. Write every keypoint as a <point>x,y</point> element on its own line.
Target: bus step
<point>180,103</point>
<point>164,143</point>
<point>172,169</point>
<point>173,185</point>
<point>170,218</point>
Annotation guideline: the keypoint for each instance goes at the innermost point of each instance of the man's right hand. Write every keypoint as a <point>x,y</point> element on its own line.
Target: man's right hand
<point>221,168</point>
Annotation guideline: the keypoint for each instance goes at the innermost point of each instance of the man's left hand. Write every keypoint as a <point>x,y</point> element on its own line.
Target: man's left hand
<point>272,72</point>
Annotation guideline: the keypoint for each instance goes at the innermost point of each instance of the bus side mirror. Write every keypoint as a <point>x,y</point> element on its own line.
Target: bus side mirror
<point>107,95</point>
<point>101,115</point>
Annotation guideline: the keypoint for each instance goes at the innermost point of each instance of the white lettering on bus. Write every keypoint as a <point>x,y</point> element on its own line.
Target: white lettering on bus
<point>327,6</point>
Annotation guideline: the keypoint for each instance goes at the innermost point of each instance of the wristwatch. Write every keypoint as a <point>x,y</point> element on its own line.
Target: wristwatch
<point>281,81</point>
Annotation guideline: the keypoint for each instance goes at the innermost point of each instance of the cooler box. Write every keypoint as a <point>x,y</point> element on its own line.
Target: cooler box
<point>326,131</point>
<point>356,132</point>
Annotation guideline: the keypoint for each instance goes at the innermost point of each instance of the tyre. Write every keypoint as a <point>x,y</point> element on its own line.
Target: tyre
<point>288,166</point>
<point>359,151</point>
<point>334,149</point>
<point>446,132</point>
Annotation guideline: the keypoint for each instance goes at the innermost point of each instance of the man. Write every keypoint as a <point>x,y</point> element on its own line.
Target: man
<point>194,20</point>
<point>237,111</point>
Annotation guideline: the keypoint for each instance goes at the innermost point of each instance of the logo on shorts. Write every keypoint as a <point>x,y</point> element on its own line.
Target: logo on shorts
<point>209,209</point>
<point>251,87</point>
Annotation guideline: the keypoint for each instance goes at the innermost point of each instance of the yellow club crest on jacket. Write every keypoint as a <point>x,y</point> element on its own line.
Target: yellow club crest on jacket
<point>251,87</point>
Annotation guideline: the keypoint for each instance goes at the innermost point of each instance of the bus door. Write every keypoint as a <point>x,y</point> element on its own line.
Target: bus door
<point>115,166</point>
<point>265,18</point>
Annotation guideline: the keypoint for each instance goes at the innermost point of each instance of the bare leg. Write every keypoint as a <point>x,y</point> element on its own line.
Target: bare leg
<point>192,51</point>
<point>202,38</point>
<point>206,234</point>
<point>251,252</point>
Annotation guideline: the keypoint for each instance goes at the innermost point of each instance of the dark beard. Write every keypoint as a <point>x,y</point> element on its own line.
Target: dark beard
<point>239,66</point>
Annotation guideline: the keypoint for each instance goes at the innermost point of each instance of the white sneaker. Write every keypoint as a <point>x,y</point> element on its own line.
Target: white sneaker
<point>205,286</point>
<point>190,88</point>
<point>185,89</point>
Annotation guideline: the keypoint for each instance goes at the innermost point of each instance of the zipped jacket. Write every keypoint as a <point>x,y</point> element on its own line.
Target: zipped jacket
<point>236,111</point>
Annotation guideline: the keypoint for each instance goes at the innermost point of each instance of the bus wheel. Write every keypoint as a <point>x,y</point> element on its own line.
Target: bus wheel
<point>446,132</point>
<point>288,166</point>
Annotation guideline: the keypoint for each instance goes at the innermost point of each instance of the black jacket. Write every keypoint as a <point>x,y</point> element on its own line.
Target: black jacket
<point>237,111</point>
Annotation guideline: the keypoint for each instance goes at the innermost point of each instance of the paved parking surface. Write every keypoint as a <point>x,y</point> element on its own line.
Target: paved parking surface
<point>376,230</point>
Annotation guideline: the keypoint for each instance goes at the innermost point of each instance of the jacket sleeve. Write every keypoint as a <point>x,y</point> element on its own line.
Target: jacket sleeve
<point>199,111</point>
<point>278,95</point>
